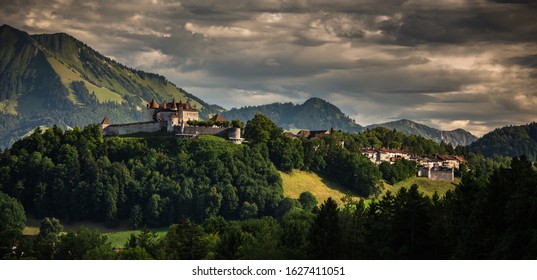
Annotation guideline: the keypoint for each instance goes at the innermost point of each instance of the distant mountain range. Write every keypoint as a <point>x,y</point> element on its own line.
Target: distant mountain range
<point>455,137</point>
<point>316,113</point>
<point>313,114</point>
<point>52,79</point>
<point>512,141</point>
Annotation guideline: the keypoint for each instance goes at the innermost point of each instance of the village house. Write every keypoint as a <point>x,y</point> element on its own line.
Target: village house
<point>390,155</point>
<point>440,167</point>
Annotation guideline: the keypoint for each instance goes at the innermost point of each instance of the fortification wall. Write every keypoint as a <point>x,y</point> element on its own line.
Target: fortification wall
<point>441,175</point>
<point>216,131</point>
<point>122,129</point>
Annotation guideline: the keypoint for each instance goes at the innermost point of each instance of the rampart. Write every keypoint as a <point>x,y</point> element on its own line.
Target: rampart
<point>122,129</point>
<point>195,130</point>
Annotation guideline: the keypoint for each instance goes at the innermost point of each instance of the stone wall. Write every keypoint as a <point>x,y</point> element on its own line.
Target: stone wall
<point>122,129</point>
<point>441,175</point>
<point>216,131</point>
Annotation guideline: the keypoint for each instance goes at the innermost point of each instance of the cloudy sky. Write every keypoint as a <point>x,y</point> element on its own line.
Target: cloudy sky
<point>449,64</point>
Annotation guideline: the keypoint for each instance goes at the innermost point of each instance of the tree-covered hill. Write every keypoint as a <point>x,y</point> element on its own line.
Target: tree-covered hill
<point>155,180</point>
<point>313,114</point>
<point>510,141</point>
<point>50,79</point>
<point>457,137</point>
<point>225,201</point>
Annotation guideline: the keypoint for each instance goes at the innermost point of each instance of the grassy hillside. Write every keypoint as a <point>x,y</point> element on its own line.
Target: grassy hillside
<point>428,187</point>
<point>299,181</point>
<point>117,236</point>
<point>118,239</point>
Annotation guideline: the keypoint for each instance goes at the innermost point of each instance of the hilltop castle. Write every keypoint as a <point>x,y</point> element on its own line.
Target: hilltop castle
<point>172,117</point>
<point>176,113</point>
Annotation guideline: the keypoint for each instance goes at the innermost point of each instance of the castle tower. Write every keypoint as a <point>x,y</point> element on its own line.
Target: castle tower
<point>234,135</point>
<point>173,122</point>
<point>152,107</point>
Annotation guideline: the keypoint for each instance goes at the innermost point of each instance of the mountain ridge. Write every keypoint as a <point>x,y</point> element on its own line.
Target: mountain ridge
<point>55,79</point>
<point>310,115</point>
<point>315,113</point>
<point>48,79</point>
<point>455,137</point>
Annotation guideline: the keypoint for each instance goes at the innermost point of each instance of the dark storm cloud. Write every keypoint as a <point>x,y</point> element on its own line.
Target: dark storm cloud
<point>445,63</point>
<point>529,61</point>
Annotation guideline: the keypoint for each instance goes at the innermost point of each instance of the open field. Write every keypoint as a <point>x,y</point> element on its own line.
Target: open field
<point>428,187</point>
<point>117,236</point>
<point>118,239</point>
<point>299,181</point>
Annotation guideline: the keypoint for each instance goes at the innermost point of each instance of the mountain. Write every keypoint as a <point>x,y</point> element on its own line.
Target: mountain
<point>52,79</point>
<point>313,114</point>
<point>510,141</point>
<point>455,137</point>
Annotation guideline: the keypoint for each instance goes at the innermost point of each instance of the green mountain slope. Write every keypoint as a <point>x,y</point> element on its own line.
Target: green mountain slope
<point>510,141</point>
<point>52,79</point>
<point>313,114</point>
<point>455,137</point>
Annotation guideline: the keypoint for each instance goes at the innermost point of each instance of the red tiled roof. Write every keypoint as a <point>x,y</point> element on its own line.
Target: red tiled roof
<point>218,118</point>
<point>313,133</point>
<point>289,135</point>
<point>105,121</point>
<point>446,157</point>
<point>461,159</point>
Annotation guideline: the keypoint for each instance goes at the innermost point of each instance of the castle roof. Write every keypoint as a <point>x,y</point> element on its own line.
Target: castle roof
<point>289,134</point>
<point>105,121</point>
<point>153,104</point>
<point>217,118</point>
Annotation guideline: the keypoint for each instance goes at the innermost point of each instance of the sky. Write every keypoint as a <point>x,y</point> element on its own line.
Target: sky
<point>445,63</point>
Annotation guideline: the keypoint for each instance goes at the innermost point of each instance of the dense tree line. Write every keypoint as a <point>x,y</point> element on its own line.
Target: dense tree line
<point>492,219</point>
<point>79,175</point>
<point>398,171</point>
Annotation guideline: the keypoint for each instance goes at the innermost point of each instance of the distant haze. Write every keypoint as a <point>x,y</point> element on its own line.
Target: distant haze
<point>448,64</point>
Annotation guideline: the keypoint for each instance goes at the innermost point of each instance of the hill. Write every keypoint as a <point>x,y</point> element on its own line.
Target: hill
<point>298,181</point>
<point>510,141</point>
<point>457,137</point>
<point>313,114</point>
<point>52,79</point>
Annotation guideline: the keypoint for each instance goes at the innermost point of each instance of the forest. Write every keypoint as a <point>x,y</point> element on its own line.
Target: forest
<point>225,201</point>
